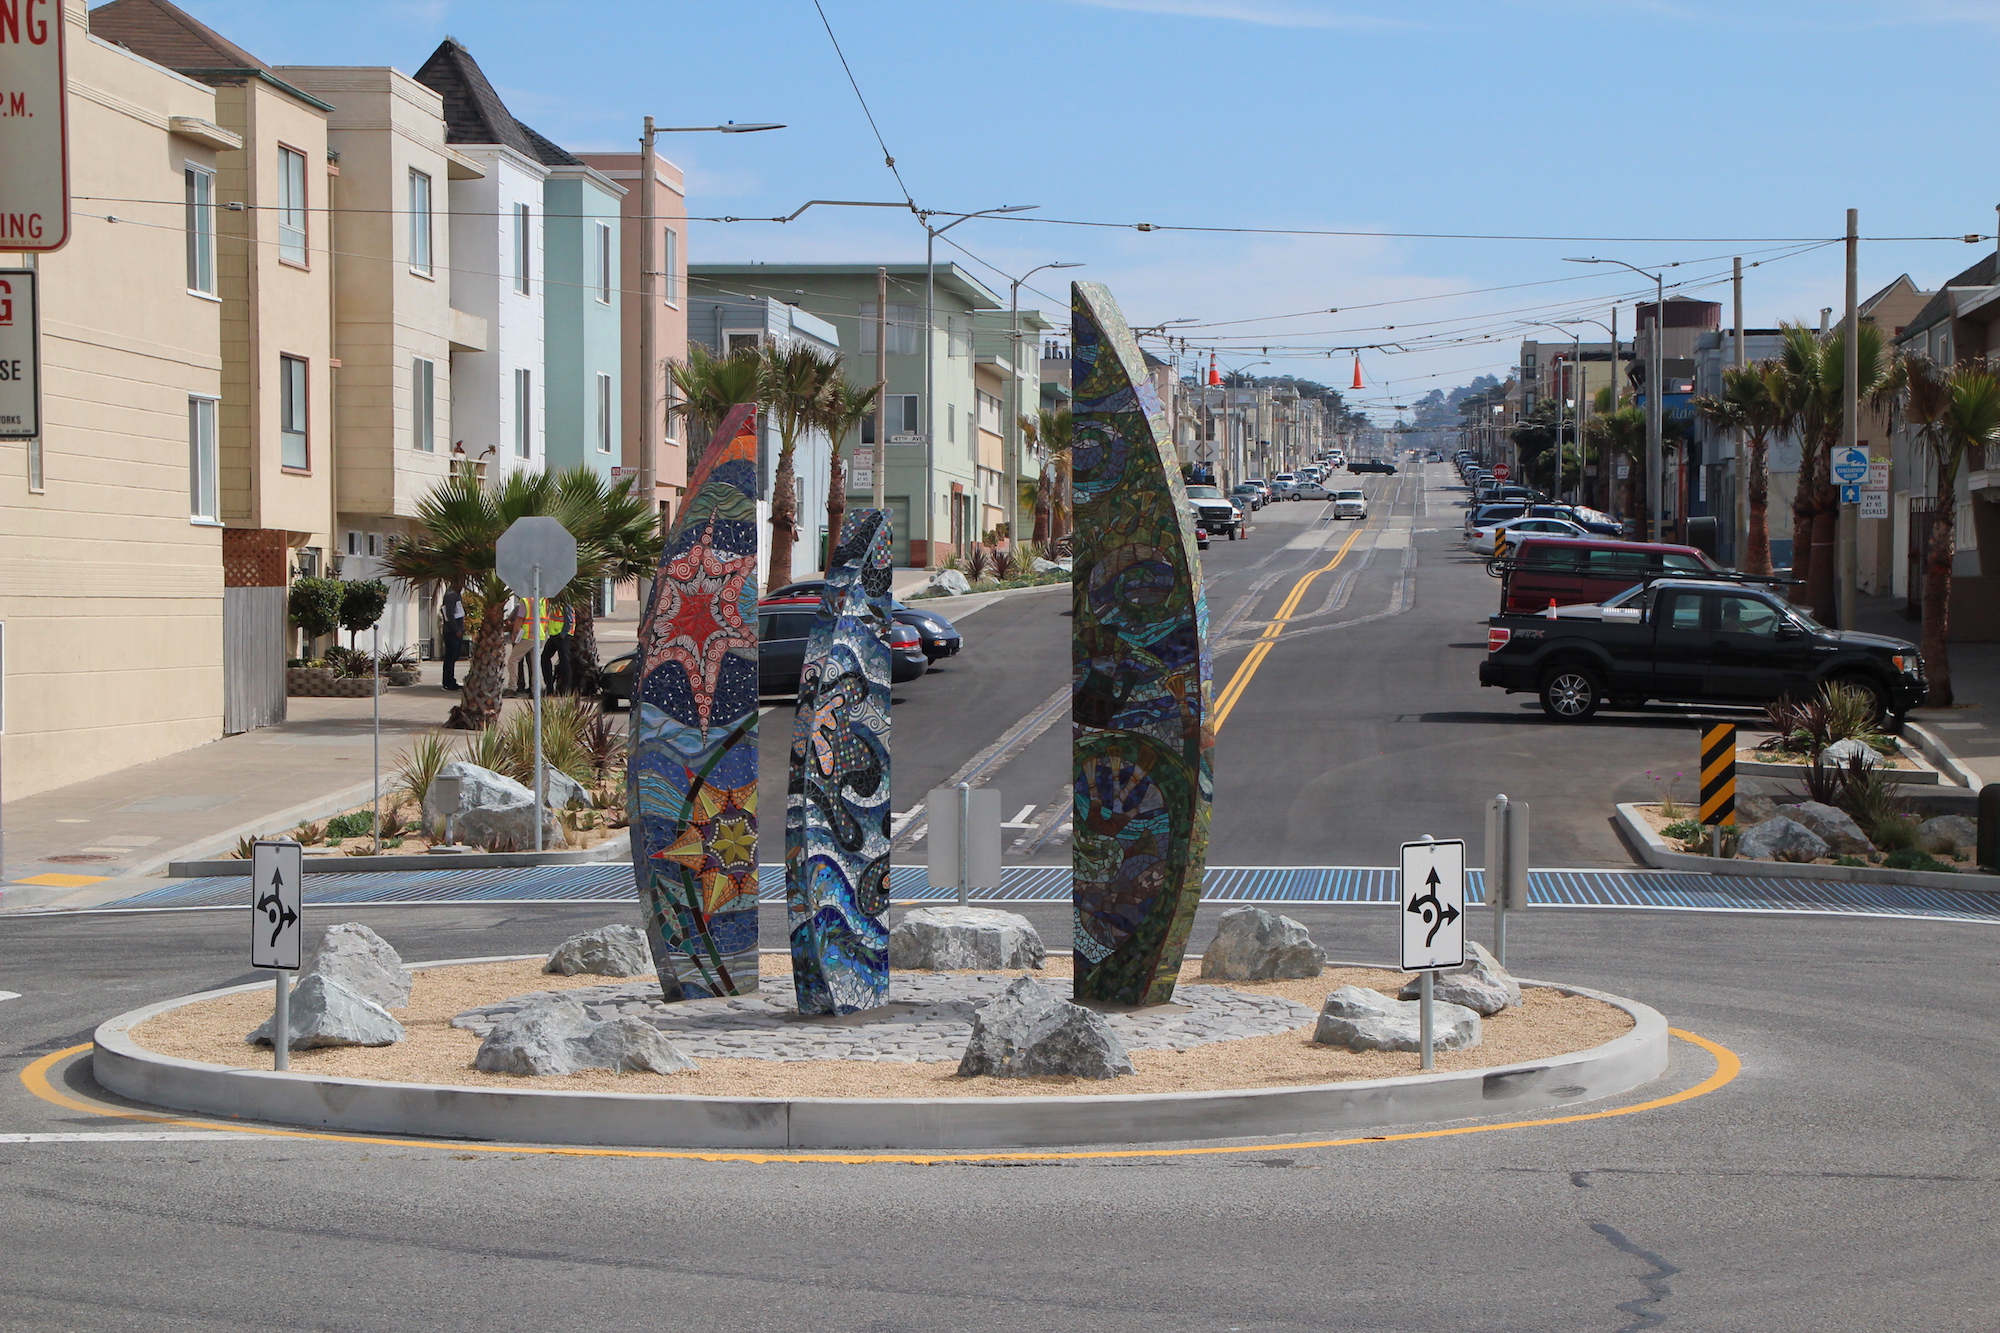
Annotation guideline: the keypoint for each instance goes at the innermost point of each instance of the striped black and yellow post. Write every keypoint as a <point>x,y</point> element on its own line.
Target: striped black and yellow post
<point>1718,774</point>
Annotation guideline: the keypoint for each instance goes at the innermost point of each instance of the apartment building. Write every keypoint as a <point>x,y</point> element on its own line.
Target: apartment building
<point>1007,350</point>
<point>583,408</point>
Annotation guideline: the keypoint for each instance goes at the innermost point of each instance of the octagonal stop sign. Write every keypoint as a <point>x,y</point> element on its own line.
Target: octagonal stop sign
<point>528,543</point>
<point>1500,472</point>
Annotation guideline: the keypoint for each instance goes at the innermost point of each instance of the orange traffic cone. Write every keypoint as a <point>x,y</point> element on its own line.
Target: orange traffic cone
<point>1357,370</point>
<point>1552,609</point>
<point>1213,378</point>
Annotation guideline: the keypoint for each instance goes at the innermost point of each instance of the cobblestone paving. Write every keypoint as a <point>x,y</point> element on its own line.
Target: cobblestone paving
<point>928,1017</point>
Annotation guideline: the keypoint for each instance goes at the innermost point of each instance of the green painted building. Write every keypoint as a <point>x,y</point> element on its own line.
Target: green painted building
<point>580,315</point>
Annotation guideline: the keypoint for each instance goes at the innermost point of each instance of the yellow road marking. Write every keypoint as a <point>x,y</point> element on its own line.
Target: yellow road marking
<point>36,1078</point>
<point>54,880</point>
<point>1239,682</point>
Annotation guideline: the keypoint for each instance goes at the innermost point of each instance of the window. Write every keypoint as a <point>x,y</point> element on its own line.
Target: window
<point>201,230</point>
<point>420,222</point>
<point>423,405</point>
<point>901,414</point>
<point>958,335</point>
<point>524,406</point>
<point>1749,615</point>
<point>733,342</point>
<point>1675,563</point>
<point>904,321</point>
<point>292,447</point>
<point>951,422</point>
<point>521,251</point>
<point>203,503</point>
<point>1684,612</point>
<point>604,262</point>
<point>670,266</point>
<point>291,206</point>
<point>603,413</point>
<point>989,411</point>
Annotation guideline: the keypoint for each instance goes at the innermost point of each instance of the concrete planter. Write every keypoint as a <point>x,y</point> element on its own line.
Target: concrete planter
<point>611,849</point>
<point>321,683</point>
<point>1657,854</point>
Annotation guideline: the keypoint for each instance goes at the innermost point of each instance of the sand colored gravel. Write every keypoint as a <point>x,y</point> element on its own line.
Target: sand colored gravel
<point>1547,1024</point>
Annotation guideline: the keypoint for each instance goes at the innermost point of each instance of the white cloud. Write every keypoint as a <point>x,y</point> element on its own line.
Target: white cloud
<point>1267,13</point>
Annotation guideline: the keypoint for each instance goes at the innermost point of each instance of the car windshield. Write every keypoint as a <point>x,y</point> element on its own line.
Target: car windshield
<point>1204,493</point>
<point>1347,495</point>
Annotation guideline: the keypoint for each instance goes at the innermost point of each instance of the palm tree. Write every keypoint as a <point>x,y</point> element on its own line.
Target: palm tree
<point>1951,410</point>
<point>1753,402</point>
<point>706,388</point>
<point>616,539</point>
<point>1056,428</point>
<point>1620,433</point>
<point>841,413</point>
<point>797,380</point>
<point>1815,372</point>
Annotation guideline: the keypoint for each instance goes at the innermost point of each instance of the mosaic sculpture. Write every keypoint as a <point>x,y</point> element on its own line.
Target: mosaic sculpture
<point>693,732</point>
<point>837,802</point>
<point>1140,674</point>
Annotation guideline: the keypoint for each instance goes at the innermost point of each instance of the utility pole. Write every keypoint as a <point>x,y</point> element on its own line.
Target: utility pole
<point>1850,425</point>
<point>1742,447</point>
<point>1605,481</point>
<point>881,455</point>
<point>649,399</point>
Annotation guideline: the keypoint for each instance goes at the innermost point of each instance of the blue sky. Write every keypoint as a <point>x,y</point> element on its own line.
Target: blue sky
<point>1750,122</point>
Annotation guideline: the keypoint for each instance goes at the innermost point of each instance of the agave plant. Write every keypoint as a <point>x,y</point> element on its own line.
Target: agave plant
<point>1006,564</point>
<point>977,561</point>
<point>420,767</point>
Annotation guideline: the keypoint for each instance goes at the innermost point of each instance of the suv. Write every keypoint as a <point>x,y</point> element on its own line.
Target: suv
<point>1350,504</point>
<point>1218,515</point>
<point>1588,569</point>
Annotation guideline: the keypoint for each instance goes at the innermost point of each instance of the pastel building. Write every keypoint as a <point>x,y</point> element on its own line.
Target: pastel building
<point>584,410</point>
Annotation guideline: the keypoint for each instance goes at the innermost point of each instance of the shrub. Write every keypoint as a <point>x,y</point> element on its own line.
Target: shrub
<point>314,605</point>
<point>420,766</point>
<point>977,562</point>
<point>1005,565</point>
<point>1850,714</point>
<point>362,603</point>
<point>357,825</point>
<point>1915,858</point>
<point>1849,861</point>
<point>1684,830</point>
<point>309,833</point>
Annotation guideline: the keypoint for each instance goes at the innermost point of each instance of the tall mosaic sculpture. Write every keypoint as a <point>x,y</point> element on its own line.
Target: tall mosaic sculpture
<point>693,733</point>
<point>1140,674</point>
<point>837,802</point>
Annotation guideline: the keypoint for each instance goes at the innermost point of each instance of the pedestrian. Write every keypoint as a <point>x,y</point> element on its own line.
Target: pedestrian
<point>520,644</point>
<point>451,630</point>
<point>557,669</point>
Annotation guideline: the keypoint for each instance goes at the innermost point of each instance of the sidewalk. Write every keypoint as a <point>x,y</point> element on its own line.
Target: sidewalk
<point>1971,727</point>
<point>130,823</point>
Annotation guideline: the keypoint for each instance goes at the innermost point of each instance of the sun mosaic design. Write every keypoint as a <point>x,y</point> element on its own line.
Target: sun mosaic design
<point>1142,734</point>
<point>693,765</point>
<point>837,801</point>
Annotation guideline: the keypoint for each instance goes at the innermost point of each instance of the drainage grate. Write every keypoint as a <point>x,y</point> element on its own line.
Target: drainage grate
<point>77,858</point>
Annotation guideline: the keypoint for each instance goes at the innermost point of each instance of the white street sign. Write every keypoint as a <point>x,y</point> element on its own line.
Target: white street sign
<point>1878,478</point>
<point>531,542</point>
<point>1433,913</point>
<point>1874,504</point>
<point>980,859</point>
<point>906,437</point>
<point>277,891</point>
<point>1850,465</point>
<point>20,354</point>
<point>34,127</point>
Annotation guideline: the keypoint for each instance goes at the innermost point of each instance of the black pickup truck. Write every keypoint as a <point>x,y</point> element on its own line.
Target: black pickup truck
<point>1694,641</point>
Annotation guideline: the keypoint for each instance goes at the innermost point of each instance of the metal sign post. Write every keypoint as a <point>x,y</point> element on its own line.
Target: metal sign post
<point>534,553</point>
<point>1433,916</point>
<point>1506,864</point>
<point>277,920</point>
<point>964,838</point>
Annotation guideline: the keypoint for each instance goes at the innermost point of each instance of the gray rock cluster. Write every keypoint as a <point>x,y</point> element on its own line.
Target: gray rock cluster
<point>957,939</point>
<point>1252,944</point>
<point>362,961</point>
<point>608,951</point>
<point>494,811</point>
<point>557,1036</point>
<point>1028,1031</point>
<point>324,1012</point>
<point>1480,984</point>
<point>948,583</point>
<point>1833,825</point>
<point>1948,833</point>
<point>1367,1020</point>
<point>1781,839</point>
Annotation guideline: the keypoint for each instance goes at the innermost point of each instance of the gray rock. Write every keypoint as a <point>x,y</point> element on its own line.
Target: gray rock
<point>1834,826</point>
<point>494,810</point>
<point>948,583</point>
<point>1252,944</point>
<point>951,938</point>
<point>1368,1020</point>
<point>324,1012</point>
<point>1041,566</point>
<point>1949,832</point>
<point>364,962</point>
<point>565,792</point>
<point>632,1046</point>
<point>1480,984</point>
<point>557,1035</point>
<point>610,951</point>
<point>1753,810</point>
<point>1781,839</point>
<point>1839,753</point>
<point>1028,1031</point>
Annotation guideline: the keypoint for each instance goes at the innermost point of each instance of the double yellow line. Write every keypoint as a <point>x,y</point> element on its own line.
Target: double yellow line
<point>1261,649</point>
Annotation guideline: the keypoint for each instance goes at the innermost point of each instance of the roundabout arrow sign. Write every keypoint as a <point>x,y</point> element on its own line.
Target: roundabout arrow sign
<point>1433,898</point>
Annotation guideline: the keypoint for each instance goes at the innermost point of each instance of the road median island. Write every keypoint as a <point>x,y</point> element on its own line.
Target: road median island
<point>1564,1046</point>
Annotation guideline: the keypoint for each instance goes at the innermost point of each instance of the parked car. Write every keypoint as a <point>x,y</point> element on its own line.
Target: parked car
<point>1372,465</point>
<point>1216,512</point>
<point>1200,532</point>
<point>616,680</point>
<point>1350,504</point>
<point>1261,485</point>
<point>1590,570</point>
<point>939,637</point>
<point>1698,642</point>
<point>1311,489</point>
<point>1590,520</point>
<point>1256,495</point>
<point>783,625</point>
<point>1495,538</point>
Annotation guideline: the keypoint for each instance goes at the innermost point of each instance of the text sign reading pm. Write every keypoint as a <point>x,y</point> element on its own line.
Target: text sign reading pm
<point>34,127</point>
<point>277,890</point>
<point>1433,901</point>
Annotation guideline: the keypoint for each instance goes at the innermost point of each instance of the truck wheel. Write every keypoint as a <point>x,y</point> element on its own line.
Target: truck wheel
<point>1570,693</point>
<point>1878,698</point>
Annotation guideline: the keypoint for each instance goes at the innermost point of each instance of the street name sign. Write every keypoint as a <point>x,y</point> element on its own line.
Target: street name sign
<point>20,355</point>
<point>531,542</point>
<point>1433,900</point>
<point>277,891</point>
<point>906,437</point>
<point>34,127</point>
<point>1851,465</point>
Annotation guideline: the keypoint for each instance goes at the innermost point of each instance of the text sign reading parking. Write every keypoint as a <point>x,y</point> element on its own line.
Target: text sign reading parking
<point>277,884</point>
<point>20,357</point>
<point>34,127</point>
<point>1433,912</point>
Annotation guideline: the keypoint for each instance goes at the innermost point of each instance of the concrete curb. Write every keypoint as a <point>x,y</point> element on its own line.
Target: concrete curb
<point>615,849</point>
<point>940,1124</point>
<point>942,603</point>
<point>1941,756</point>
<point>1909,777</point>
<point>1661,857</point>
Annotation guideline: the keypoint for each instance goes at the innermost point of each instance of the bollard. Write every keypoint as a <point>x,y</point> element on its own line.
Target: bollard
<point>1989,826</point>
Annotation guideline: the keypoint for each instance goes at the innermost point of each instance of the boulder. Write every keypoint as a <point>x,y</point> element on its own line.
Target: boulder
<point>556,1035</point>
<point>946,939</point>
<point>608,951</point>
<point>1840,752</point>
<point>1252,944</point>
<point>1753,810</point>
<point>566,793</point>
<point>1834,826</point>
<point>1029,1031</point>
<point>948,583</point>
<point>1480,983</point>
<point>324,1012</point>
<point>1781,839</point>
<point>362,961</point>
<point>1042,566</point>
<point>495,812</point>
<point>1949,832</point>
<point>1368,1020</point>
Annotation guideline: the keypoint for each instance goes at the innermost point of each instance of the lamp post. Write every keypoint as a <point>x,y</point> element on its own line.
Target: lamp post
<point>1655,377</point>
<point>1576,359</point>
<point>1612,329</point>
<point>1011,479</point>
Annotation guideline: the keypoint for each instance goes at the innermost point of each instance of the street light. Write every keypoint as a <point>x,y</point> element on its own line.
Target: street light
<point>1655,376</point>
<point>727,127</point>
<point>1012,479</point>
<point>1576,429</point>
<point>1612,329</point>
